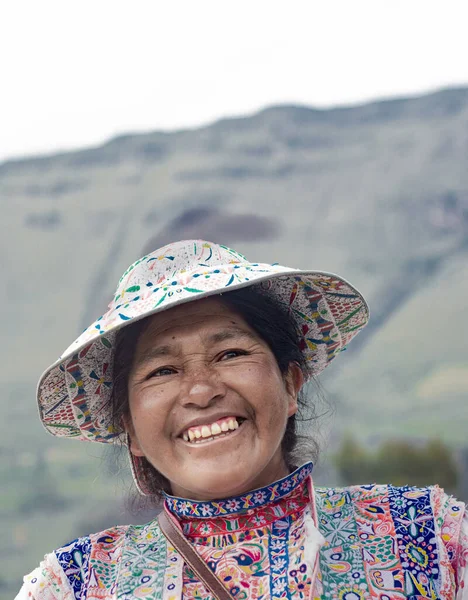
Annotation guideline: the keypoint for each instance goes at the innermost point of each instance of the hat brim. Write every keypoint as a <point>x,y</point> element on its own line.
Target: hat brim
<point>74,394</point>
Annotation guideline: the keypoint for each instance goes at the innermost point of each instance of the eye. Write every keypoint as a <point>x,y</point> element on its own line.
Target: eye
<point>232,354</point>
<point>161,372</point>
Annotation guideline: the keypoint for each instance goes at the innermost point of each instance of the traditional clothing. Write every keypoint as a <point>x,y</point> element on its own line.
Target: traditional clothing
<point>285,540</point>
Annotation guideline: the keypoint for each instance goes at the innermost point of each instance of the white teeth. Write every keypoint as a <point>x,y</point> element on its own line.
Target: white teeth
<point>210,431</point>
<point>215,429</point>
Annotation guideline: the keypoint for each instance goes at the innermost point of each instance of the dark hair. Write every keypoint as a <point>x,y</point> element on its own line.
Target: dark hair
<point>273,322</point>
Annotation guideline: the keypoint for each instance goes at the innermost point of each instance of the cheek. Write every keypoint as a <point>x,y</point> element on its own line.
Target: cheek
<point>277,415</point>
<point>148,409</point>
<point>263,387</point>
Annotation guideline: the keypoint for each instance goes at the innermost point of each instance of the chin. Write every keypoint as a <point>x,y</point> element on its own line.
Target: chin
<point>220,483</point>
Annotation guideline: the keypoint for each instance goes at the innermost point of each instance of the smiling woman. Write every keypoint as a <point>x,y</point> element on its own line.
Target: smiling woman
<point>198,368</point>
<point>235,356</point>
<point>213,368</point>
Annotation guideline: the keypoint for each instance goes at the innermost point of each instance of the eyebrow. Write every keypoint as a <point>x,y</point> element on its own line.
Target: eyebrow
<point>231,333</point>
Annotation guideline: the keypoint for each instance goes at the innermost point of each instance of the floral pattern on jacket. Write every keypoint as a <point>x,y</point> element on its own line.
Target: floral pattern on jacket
<point>282,541</point>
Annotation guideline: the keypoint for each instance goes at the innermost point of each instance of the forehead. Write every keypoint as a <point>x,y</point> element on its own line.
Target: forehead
<point>208,314</point>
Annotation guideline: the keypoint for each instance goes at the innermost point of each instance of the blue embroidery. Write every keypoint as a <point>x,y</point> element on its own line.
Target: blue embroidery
<point>238,504</point>
<point>412,515</point>
<point>279,558</point>
<point>74,560</point>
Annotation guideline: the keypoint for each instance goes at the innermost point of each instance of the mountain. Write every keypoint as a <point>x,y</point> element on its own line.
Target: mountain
<point>377,193</point>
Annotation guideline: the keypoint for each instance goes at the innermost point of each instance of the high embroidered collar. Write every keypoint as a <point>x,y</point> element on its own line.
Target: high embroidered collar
<point>274,492</point>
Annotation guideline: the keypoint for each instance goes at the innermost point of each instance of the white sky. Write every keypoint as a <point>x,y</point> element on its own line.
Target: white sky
<point>74,73</point>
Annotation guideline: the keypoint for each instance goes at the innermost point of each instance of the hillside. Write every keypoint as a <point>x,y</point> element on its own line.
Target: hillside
<point>377,193</point>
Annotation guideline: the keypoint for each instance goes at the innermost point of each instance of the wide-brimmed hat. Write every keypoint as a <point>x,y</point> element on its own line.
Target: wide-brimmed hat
<point>74,394</point>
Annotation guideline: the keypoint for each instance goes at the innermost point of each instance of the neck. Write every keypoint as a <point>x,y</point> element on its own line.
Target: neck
<point>267,476</point>
<point>273,494</point>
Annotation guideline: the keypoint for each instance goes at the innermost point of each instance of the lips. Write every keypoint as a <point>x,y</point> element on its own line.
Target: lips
<point>220,427</point>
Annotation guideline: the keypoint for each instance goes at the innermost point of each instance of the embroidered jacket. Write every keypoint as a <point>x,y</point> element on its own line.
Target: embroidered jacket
<point>281,541</point>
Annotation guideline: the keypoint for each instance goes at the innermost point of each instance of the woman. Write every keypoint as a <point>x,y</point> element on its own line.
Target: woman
<point>198,366</point>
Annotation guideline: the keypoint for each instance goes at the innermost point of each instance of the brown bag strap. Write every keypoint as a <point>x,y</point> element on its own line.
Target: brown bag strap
<point>192,558</point>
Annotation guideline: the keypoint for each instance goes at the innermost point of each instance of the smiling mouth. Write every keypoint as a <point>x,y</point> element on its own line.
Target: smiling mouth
<point>206,433</point>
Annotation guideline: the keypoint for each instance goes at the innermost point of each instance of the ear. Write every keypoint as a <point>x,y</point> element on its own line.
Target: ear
<point>294,381</point>
<point>134,445</point>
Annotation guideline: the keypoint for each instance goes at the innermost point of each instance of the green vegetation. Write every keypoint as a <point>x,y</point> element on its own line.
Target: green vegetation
<point>399,462</point>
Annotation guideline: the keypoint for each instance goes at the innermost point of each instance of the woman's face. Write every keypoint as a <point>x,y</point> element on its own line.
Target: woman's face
<point>208,403</point>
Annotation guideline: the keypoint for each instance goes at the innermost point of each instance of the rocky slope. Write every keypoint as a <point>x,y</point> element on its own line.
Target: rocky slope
<point>377,193</point>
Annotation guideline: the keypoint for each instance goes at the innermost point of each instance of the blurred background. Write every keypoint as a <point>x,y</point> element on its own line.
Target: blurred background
<point>319,135</point>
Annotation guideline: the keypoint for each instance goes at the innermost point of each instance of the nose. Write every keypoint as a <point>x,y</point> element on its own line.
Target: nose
<point>202,388</point>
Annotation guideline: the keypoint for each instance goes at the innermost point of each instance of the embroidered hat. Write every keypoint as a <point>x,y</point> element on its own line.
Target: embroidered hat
<point>74,393</point>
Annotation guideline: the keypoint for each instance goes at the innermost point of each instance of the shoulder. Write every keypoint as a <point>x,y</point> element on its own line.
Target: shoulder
<point>83,559</point>
<point>407,510</point>
<point>423,527</point>
<point>396,497</point>
<point>66,572</point>
<point>90,564</point>
<point>398,500</point>
<point>81,548</point>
